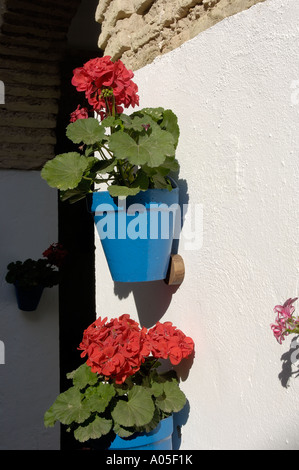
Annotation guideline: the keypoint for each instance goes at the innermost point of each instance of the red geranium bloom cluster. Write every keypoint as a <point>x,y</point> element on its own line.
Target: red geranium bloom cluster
<point>116,349</point>
<point>168,342</point>
<point>106,84</point>
<point>55,254</point>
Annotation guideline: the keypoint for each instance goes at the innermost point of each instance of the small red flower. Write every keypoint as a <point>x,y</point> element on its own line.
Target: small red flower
<point>79,113</point>
<point>55,254</point>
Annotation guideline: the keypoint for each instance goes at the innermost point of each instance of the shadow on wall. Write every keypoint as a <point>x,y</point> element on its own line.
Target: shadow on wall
<point>153,298</point>
<point>288,360</point>
<point>179,420</point>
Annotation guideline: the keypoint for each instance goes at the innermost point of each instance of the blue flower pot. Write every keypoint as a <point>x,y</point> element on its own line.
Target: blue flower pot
<point>137,232</point>
<point>158,439</point>
<point>28,297</point>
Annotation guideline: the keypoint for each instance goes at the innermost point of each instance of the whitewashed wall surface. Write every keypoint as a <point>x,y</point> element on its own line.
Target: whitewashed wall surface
<point>235,89</point>
<point>29,373</point>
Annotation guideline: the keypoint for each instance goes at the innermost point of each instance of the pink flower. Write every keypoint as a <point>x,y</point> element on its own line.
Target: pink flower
<point>278,332</point>
<point>285,322</point>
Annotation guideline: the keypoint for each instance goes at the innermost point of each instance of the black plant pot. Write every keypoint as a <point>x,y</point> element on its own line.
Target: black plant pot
<point>28,297</point>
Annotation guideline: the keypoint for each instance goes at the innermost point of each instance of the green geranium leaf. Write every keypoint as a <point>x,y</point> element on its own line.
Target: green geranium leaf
<point>72,195</point>
<point>122,191</point>
<point>91,163</point>
<point>49,418</point>
<point>150,150</point>
<point>67,408</point>
<point>139,122</point>
<point>83,376</point>
<point>94,430</point>
<point>141,181</point>
<point>111,121</point>
<point>65,171</point>
<point>89,131</point>
<point>157,389</point>
<point>104,166</point>
<point>137,411</point>
<point>122,431</point>
<point>172,399</point>
<point>99,397</point>
<point>155,113</point>
<point>170,124</point>
<point>170,164</point>
<point>153,423</point>
<point>160,182</point>
<point>126,120</point>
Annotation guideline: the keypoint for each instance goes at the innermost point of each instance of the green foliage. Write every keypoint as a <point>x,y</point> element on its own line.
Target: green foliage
<point>87,131</point>
<point>137,410</point>
<point>133,153</point>
<point>93,407</point>
<point>30,273</point>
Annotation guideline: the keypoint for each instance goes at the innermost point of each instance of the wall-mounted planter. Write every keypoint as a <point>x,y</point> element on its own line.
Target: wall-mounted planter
<point>158,439</point>
<point>137,232</point>
<point>28,297</point>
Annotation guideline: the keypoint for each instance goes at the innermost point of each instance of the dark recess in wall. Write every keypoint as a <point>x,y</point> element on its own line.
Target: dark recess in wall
<point>76,225</point>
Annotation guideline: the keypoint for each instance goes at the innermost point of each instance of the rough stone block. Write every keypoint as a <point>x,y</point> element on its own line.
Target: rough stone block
<point>142,6</point>
<point>101,10</point>
<point>167,25</point>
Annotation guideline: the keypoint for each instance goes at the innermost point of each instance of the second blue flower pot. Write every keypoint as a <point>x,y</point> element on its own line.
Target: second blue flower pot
<point>158,439</point>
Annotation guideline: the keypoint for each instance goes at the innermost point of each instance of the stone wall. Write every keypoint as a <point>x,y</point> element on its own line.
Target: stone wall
<point>33,37</point>
<point>137,31</point>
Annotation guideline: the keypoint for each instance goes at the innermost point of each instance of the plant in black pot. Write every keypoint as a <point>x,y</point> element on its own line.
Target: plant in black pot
<point>133,155</point>
<point>30,277</point>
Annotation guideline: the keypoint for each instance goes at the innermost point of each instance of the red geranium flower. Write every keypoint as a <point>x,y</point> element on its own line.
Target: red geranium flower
<point>114,348</point>
<point>55,254</point>
<point>117,348</point>
<point>168,342</point>
<point>79,113</point>
<point>106,84</point>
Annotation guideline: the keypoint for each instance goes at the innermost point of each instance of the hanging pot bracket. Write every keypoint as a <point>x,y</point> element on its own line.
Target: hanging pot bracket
<point>176,271</point>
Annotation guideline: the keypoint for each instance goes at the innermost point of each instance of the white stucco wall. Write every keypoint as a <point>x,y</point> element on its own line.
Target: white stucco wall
<point>29,377</point>
<point>233,88</point>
